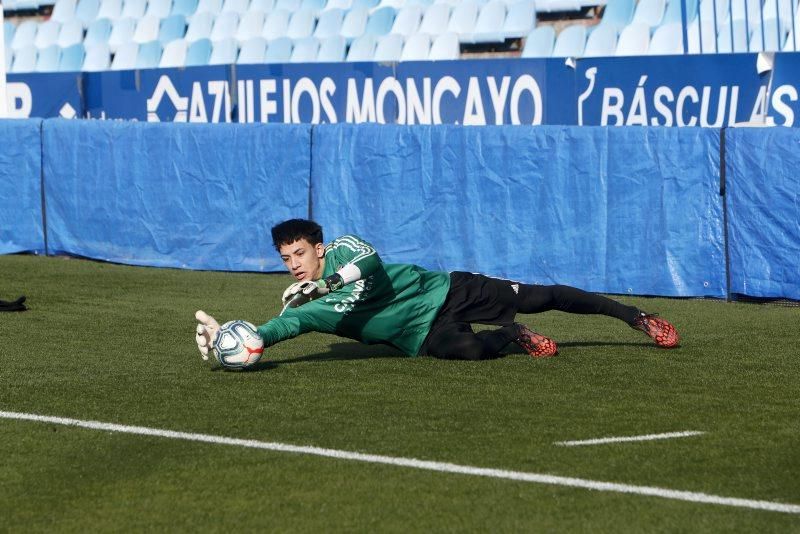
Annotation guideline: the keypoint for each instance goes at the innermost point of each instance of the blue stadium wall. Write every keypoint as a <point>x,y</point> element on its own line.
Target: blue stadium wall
<point>646,211</point>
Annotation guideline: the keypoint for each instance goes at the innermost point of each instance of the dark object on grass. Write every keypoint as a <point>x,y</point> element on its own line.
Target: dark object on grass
<point>17,305</point>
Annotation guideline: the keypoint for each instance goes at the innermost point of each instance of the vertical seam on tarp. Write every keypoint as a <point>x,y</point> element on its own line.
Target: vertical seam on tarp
<point>310,171</point>
<point>42,186</point>
<point>723,177</point>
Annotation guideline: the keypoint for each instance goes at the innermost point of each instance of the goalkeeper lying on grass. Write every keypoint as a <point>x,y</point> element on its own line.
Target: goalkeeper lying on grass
<point>345,289</point>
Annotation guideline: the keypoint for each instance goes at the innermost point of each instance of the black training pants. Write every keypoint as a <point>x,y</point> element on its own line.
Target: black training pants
<point>474,298</point>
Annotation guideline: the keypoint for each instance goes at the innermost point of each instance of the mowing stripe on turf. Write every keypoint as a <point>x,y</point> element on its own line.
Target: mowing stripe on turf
<point>441,467</point>
<point>621,439</point>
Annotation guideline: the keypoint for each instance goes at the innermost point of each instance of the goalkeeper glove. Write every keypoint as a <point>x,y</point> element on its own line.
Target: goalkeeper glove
<point>299,293</point>
<point>205,333</point>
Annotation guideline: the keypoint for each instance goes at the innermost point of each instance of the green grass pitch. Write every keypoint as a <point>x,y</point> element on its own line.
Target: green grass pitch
<point>116,344</point>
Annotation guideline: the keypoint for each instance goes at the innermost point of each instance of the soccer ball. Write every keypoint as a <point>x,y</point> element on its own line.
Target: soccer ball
<point>238,345</point>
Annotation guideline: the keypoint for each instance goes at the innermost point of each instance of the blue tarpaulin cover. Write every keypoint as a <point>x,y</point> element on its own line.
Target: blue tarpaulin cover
<point>173,195</point>
<point>21,227</point>
<point>763,186</point>
<point>627,210</point>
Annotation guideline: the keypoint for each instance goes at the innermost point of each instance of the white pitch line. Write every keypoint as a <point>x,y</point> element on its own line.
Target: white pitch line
<point>440,467</point>
<point>621,439</point>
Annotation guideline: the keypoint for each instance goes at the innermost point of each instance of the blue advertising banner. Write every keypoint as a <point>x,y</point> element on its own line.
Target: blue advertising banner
<point>188,196</point>
<point>21,228</point>
<point>763,195</point>
<point>616,210</point>
<point>694,90</point>
<point>713,90</point>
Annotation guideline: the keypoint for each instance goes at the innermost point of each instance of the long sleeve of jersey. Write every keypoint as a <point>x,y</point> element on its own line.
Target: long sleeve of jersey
<point>352,258</point>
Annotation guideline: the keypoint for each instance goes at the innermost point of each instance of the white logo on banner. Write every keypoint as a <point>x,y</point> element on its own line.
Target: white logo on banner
<point>163,88</point>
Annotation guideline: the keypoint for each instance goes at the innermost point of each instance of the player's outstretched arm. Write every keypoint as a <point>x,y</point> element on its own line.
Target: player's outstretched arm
<point>205,332</point>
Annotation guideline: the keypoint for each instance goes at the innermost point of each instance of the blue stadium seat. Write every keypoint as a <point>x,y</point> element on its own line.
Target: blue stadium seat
<point>72,58</point>
<point>301,25</point>
<point>445,47</point>
<point>9,59</point>
<point>276,24</point>
<point>520,20</point>
<point>634,40</point>
<point>407,21</point>
<point>98,58</point>
<point>48,59</point>
<point>187,8</point>
<point>602,42</point>
<point>149,55</point>
<point>305,50</point>
<point>224,52</point>
<point>732,37</point>
<point>252,51</point>
<point>8,33</point>
<point>99,32</point>
<point>748,10</point>
<point>278,51</point>
<point>24,36</point>
<point>673,12</point>
<point>329,23</point>
<point>251,25</point>
<point>792,43</point>
<point>174,54</point>
<point>198,53</point>
<point>173,27</point>
<point>462,20</point>
<point>237,6</point>
<point>265,6</point>
<point>435,19</point>
<point>782,12</point>
<point>618,13</point>
<point>133,9</point>
<point>200,27</point>
<point>389,48</point>
<point>707,11</point>
<point>71,33</point>
<point>540,42</point>
<point>86,11</point>
<point>549,6</point>
<point>362,48</point>
<point>332,49</point>
<point>354,23</point>
<point>225,26</point>
<point>288,5</point>
<point>121,33</point>
<point>159,8</point>
<point>416,48</point>
<point>125,56</point>
<point>380,22</point>
<point>366,4</point>
<point>146,29</point>
<point>570,42</point>
<point>109,9</point>
<point>489,25</point>
<point>63,10</point>
<point>702,37</point>
<point>667,40</point>
<point>315,6</point>
<point>649,12</point>
<point>344,5</point>
<point>208,6</point>
<point>47,34</point>
<point>24,59</point>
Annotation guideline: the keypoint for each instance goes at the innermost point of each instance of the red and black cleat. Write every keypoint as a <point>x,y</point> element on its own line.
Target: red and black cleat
<point>537,345</point>
<point>661,330</point>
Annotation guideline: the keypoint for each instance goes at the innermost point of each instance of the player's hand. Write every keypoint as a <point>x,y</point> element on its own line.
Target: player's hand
<point>299,293</point>
<point>205,333</point>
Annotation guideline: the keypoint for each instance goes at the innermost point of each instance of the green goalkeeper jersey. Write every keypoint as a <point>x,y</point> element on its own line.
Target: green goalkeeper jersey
<point>394,304</point>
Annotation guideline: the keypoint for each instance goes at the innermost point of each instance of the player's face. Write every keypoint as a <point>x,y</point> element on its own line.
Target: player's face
<point>304,260</point>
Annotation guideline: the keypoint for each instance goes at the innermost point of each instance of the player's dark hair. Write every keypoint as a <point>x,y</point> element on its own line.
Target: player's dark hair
<point>293,230</point>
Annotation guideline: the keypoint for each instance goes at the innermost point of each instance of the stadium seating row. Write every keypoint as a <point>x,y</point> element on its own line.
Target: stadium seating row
<point>376,30</point>
<point>182,53</point>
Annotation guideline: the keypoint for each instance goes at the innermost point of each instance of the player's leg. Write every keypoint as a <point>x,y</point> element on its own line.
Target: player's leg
<point>457,341</point>
<point>536,299</point>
